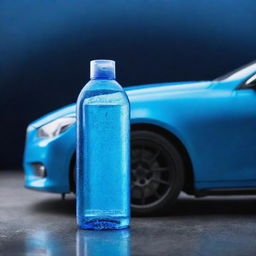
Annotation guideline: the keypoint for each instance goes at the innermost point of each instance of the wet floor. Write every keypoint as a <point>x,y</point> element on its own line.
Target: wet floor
<point>35,223</point>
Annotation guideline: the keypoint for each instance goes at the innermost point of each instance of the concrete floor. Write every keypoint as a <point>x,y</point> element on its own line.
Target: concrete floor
<point>34,223</point>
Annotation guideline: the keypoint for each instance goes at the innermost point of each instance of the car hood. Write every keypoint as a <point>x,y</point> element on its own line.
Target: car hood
<point>163,88</point>
<point>132,91</point>
<point>67,110</point>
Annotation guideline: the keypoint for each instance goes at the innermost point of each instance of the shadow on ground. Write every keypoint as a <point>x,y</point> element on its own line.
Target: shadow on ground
<point>55,206</point>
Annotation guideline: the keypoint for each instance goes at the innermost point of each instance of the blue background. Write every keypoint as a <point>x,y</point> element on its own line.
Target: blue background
<point>46,46</point>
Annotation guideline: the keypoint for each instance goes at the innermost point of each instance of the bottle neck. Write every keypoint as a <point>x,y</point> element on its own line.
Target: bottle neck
<point>103,78</point>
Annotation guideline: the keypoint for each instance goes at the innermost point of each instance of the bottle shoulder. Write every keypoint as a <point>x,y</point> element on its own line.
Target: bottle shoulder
<point>103,85</point>
<point>103,92</point>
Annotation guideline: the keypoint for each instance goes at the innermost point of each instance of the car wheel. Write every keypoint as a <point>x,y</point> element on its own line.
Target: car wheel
<point>157,173</point>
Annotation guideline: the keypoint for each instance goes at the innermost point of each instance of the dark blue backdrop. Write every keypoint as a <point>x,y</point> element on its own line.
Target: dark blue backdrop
<point>46,46</point>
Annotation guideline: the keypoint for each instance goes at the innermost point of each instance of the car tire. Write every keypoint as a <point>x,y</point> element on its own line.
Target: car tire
<point>157,173</point>
<point>156,167</point>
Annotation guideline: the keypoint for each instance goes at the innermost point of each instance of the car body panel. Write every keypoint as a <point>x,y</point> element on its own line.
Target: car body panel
<point>214,120</point>
<point>210,134</point>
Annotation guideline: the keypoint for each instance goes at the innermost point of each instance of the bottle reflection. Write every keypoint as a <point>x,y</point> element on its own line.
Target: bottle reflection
<point>98,243</point>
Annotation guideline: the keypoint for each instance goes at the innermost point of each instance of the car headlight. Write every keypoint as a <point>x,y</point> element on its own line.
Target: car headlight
<point>56,127</point>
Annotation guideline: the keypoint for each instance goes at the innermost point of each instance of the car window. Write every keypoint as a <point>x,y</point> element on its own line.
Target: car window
<point>239,73</point>
<point>250,82</point>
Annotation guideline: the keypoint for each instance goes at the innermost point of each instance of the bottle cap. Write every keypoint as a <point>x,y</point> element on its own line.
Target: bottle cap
<point>102,69</point>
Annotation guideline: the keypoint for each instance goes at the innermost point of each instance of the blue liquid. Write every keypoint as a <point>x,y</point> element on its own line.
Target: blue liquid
<point>103,156</point>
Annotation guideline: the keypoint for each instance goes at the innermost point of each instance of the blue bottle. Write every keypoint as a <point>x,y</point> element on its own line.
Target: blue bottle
<point>103,151</point>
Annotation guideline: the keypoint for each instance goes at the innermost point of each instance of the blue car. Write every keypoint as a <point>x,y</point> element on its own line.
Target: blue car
<point>196,137</point>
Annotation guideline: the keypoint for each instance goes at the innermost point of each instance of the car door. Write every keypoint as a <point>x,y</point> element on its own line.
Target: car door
<point>222,135</point>
<point>244,104</point>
